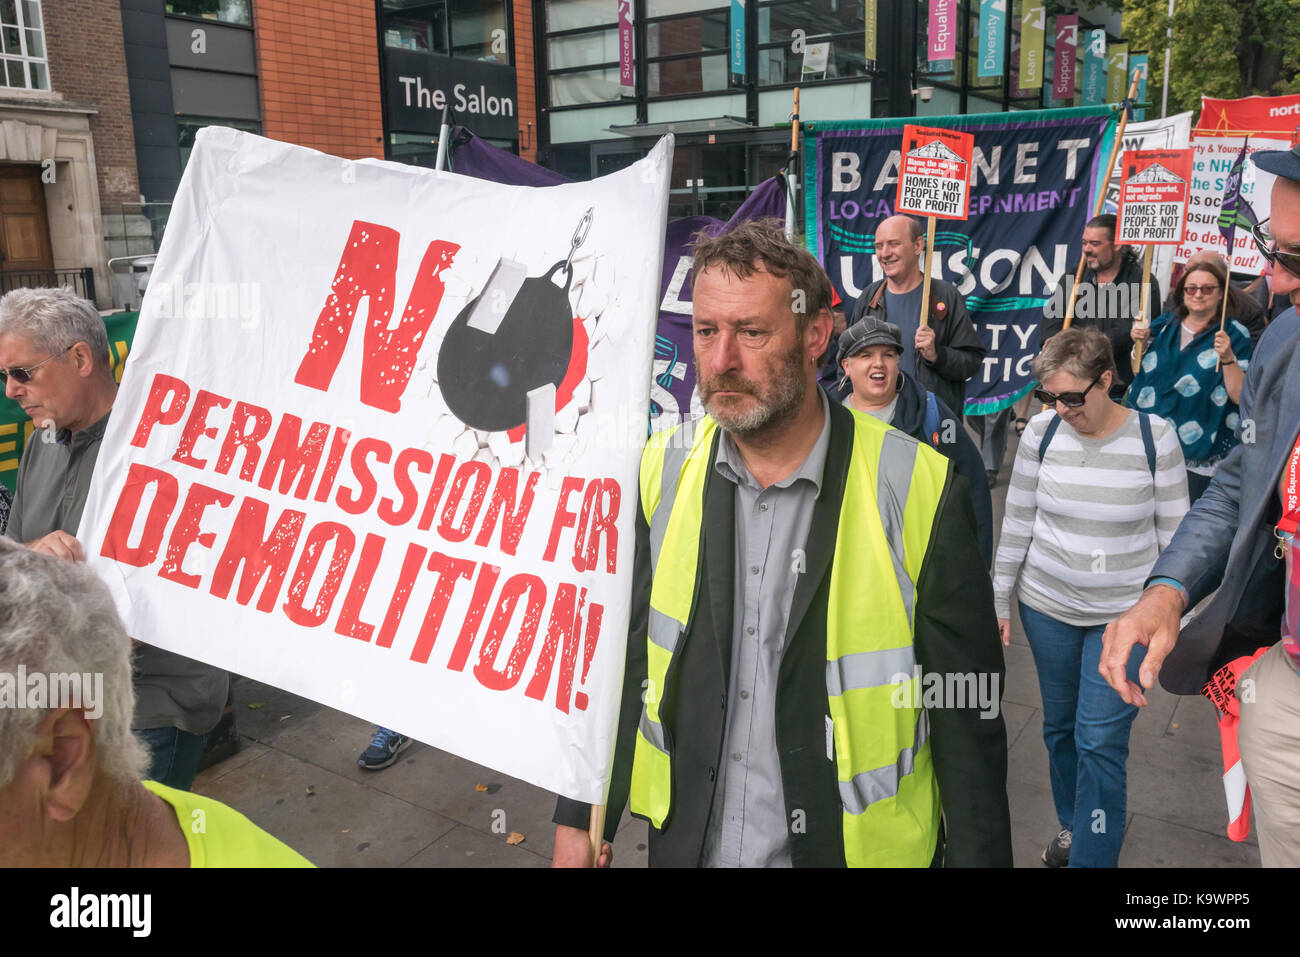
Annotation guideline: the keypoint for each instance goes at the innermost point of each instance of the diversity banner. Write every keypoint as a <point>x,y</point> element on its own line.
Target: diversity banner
<point>1033,33</point>
<point>16,428</point>
<point>1032,175</point>
<point>1153,196</point>
<point>1065,56</point>
<point>403,491</point>
<point>992,39</point>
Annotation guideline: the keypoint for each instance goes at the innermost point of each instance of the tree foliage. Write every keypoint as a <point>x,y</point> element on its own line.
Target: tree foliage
<point>1221,48</point>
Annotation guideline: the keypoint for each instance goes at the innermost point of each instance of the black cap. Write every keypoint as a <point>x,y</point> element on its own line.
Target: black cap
<point>1284,163</point>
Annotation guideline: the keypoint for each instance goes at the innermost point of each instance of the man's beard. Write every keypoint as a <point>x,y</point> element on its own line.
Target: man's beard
<point>782,397</point>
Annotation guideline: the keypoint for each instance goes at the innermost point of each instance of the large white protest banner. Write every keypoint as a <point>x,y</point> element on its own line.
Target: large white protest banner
<point>1213,161</point>
<point>404,484</point>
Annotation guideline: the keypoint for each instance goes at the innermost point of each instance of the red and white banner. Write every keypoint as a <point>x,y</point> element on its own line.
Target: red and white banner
<point>934,172</point>
<point>1277,117</point>
<point>1153,193</point>
<point>405,484</point>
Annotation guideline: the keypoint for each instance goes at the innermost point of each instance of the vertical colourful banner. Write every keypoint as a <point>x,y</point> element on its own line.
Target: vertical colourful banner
<point>738,36</point>
<point>1033,29</point>
<point>870,14</point>
<point>1094,69</point>
<point>943,30</point>
<point>1142,64</point>
<point>1065,55</point>
<point>626,77</point>
<point>1117,73</point>
<point>993,31</point>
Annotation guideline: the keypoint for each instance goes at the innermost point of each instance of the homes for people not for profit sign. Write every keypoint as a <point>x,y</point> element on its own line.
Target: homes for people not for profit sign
<point>407,488</point>
<point>1153,195</point>
<point>934,172</point>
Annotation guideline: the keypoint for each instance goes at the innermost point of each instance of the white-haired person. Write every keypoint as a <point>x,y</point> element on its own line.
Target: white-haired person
<point>70,766</point>
<point>1096,493</point>
<point>55,363</point>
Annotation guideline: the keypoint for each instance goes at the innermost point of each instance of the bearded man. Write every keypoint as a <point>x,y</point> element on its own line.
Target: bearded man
<point>806,578</point>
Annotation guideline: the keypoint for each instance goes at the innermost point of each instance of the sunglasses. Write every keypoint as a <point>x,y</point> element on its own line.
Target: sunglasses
<point>1200,290</point>
<point>1071,400</point>
<point>1267,246</point>
<point>23,375</point>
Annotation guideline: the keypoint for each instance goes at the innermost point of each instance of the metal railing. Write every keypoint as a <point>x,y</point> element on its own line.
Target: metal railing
<point>81,280</point>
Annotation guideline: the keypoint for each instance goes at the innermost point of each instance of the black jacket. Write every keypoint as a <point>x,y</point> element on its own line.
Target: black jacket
<point>909,417</point>
<point>956,632</point>
<point>1112,314</point>
<point>957,346</point>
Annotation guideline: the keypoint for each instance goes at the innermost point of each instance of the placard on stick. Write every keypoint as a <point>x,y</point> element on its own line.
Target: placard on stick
<point>934,174</point>
<point>1153,192</point>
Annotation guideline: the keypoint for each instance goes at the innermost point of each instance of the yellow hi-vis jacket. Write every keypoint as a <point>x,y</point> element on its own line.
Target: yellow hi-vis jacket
<point>891,498</point>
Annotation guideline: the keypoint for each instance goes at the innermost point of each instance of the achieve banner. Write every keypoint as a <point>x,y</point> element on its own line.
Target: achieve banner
<point>402,490</point>
<point>1032,174</point>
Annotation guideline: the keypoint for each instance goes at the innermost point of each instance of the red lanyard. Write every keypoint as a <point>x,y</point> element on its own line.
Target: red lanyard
<point>1290,490</point>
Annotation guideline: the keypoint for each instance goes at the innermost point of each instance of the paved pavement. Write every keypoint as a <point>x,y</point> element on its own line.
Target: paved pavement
<point>296,776</point>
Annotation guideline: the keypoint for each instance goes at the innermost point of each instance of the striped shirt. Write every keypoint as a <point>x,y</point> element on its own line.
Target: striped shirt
<point>1083,528</point>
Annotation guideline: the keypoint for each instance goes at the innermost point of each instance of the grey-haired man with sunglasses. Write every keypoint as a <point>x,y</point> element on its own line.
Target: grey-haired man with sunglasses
<point>55,362</point>
<point>1239,542</point>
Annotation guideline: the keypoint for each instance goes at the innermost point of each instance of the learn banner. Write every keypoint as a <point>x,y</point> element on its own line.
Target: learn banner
<point>1033,24</point>
<point>1032,174</point>
<point>402,490</point>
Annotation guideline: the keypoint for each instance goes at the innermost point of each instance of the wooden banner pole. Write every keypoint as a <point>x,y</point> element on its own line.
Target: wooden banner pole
<point>1100,202</point>
<point>925,276</point>
<point>596,832</point>
<point>1223,313</point>
<point>1145,300</point>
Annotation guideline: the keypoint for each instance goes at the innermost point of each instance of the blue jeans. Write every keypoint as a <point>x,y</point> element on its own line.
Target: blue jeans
<point>174,755</point>
<point>1086,726</point>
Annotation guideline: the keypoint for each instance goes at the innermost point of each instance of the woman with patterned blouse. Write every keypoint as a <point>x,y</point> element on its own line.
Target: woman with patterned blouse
<point>1192,373</point>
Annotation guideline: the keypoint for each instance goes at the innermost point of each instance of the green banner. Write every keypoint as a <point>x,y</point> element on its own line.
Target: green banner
<point>1033,30</point>
<point>15,426</point>
<point>871,18</point>
<point>1117,78</point>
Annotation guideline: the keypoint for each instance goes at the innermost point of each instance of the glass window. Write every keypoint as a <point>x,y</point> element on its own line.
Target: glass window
<point>577,14</point>
<point>416,26</point>
<point>821,59</point>
<point>226,11</point>
<point>688,35</point>
<point>587,86</point>
<point>22,46</point>
<point>778,21</point>
<point>583,49</point>
<point>478,30</point>
<point>188,126</point>
<point>668,8</point>
<point>694,75</point>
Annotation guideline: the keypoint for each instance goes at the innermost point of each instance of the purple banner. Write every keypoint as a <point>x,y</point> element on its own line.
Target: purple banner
<point>943,29</point>
<point>1067,35</point>
<point>625,78</point>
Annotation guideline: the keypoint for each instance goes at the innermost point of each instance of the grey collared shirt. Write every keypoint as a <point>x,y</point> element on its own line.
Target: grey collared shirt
<point>748,826</point>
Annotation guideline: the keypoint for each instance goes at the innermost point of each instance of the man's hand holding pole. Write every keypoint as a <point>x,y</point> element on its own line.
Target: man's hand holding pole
<point>1152,622</point>
<point>573,848</point>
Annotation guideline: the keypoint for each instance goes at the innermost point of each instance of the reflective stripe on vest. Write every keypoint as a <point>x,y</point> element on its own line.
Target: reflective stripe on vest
<point>881,732</point>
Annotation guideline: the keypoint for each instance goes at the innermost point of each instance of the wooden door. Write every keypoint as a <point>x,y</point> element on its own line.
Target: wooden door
<point>24,229</point>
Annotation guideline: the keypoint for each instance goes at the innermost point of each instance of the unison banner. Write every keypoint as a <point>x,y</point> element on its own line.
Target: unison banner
<point>1031,177</point>
<point>398,492</point>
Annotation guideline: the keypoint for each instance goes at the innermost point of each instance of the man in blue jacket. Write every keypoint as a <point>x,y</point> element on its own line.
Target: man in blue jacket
<point>1238,539</point>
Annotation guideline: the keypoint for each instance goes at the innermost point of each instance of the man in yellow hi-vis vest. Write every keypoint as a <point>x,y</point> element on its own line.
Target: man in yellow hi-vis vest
<point>813,670</point>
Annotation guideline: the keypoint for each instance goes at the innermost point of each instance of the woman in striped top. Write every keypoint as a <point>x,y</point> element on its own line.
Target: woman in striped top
<point>1096,491</point>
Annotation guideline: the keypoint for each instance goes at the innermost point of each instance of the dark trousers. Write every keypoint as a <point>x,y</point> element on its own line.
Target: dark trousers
<point>174,755</point>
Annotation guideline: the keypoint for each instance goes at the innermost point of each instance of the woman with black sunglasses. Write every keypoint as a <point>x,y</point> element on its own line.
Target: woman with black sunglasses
<point>1096,492</point>
<point>1192,373</point>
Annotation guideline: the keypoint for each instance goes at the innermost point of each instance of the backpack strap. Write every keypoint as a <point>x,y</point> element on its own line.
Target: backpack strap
<point>1148,441</point>
<point>931,425</point>
<point>1047,437</point>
